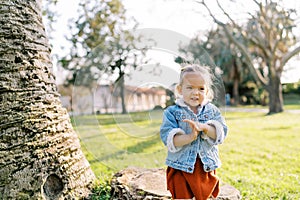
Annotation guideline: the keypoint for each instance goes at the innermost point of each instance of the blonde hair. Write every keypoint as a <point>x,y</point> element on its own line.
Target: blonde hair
<point>205,73</point>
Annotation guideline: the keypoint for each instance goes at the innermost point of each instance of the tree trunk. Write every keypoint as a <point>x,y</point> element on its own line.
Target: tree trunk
<point>122,93</point>
<point>235,76</point>
<point>235,91</point>
<point>40,155</point>
<point>138,183</point>
<point>275,95</point>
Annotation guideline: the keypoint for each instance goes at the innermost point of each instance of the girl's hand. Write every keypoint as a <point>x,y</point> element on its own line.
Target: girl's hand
<point>196,128</point>
<point>210,131</point>
<point>183,139</point>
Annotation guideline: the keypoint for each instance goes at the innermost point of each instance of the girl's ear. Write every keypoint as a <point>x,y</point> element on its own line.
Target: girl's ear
<point>179,89</point>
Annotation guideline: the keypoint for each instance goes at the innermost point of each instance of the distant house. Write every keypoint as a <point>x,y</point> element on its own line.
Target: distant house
<point>106,99</point>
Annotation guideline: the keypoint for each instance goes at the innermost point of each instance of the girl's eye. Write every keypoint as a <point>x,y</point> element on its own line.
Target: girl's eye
<point>189,88</point>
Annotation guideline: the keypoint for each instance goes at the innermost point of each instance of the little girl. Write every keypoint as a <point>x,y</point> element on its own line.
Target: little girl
<point>191,130</point>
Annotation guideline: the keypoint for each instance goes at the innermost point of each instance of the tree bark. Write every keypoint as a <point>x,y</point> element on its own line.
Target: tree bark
<point>40,155</point>
<point>122,92</point>
<point>150,184</point>
<point>275,95</point>
<point>236,82</point>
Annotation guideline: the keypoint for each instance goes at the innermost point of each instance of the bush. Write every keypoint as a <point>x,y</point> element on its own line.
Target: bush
<point>291,88</point>
<point>158,107</point>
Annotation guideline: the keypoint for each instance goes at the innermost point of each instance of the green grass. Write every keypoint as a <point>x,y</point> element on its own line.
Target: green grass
<point>114,142</point>
<point>260,156</point>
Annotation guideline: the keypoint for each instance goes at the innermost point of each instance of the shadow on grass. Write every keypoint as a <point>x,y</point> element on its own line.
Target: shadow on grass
<point>118,121</point>
<point>244,115</point>
<point>132,117</point>
<point>277,128</point>
<point>137,148</point>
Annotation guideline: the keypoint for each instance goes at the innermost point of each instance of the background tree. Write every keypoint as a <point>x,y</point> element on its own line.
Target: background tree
<point>102,44</point>
<point>40,155</point>
<point>50,15</point>
<point>270,44</point>
<point>225,55</point>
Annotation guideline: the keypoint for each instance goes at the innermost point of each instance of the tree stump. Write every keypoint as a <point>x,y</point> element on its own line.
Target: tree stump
<point>150,184</point>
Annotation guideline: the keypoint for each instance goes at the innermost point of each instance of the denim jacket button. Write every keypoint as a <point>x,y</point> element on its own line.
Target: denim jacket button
<point>207,168</point>
<point>190,169</point>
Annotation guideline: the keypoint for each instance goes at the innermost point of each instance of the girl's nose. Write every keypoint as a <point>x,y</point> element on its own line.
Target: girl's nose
<point>195,91</point>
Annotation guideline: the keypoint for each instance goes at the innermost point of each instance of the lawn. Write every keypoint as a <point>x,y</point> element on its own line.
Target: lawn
<point>260,156</point>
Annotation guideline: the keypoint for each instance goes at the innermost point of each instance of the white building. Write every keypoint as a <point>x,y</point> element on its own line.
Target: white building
<point>106,99</point>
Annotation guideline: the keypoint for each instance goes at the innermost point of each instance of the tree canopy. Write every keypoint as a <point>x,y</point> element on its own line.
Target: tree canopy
<point>225,55</point>
<point>269,42</point>
<point>103,42</point>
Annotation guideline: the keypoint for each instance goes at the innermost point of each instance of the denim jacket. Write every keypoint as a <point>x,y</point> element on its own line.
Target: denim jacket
<point>184,158</point>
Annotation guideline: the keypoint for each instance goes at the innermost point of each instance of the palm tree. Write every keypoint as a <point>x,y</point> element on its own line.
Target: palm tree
<point>40,155</point>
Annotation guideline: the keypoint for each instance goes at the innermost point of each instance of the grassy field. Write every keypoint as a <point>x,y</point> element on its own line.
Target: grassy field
<point>261,155</point>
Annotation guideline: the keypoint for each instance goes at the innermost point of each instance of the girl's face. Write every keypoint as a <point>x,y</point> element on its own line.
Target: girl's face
<point>193,89</point>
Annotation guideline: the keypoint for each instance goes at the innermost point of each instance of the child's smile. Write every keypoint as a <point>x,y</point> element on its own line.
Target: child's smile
<point>194,100</point>
<point>193,89</point>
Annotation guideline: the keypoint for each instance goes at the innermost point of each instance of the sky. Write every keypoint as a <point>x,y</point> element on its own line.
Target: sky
<point>179,19</point>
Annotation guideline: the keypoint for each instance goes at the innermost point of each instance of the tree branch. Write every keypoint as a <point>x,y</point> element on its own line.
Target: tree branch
<point>257,75</point>
<point>289,55</point>
<point>257,42</point>
<point>227,15</point>
<point>210,13</point>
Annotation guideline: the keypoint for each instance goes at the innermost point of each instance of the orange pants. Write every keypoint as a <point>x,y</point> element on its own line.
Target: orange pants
<point>199,184</point>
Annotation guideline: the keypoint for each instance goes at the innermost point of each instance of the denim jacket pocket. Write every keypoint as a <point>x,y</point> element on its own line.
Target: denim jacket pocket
<point>180,116</point>
<point>205,116</point>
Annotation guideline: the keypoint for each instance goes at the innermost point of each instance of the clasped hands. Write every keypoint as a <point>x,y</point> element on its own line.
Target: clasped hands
<point>196,128</point>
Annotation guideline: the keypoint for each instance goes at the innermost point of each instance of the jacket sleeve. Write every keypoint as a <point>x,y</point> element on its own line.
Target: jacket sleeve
<point>219,123</point>
<point>168,130</point>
